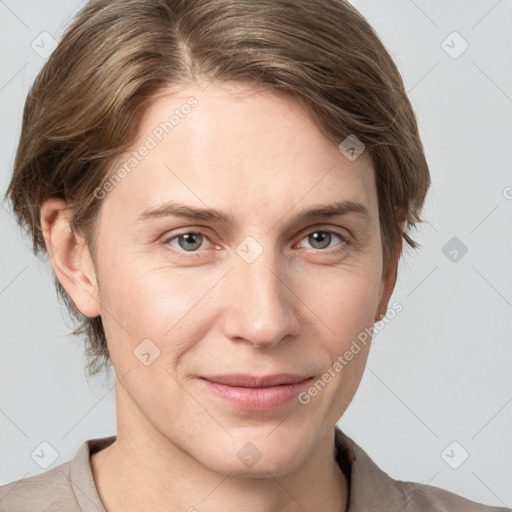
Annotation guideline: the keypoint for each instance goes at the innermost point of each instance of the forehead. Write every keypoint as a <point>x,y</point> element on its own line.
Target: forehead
<point>239,146</point>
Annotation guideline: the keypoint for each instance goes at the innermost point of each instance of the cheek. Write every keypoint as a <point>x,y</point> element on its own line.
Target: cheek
<point>158,304</point>
<point>346,300</point>
<point>346,307</point>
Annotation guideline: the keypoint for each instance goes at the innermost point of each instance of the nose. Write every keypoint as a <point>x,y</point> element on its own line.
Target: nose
<point>261,308</point>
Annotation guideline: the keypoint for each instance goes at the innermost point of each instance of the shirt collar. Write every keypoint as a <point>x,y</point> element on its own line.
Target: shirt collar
<point>370,488</point>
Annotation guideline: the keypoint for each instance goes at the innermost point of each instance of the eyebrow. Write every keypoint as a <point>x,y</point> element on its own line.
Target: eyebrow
<point>177,209</point>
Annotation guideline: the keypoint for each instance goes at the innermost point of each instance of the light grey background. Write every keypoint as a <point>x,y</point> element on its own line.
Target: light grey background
<point>438,373</point>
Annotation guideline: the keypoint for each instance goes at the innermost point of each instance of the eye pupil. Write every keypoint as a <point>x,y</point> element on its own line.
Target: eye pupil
<point>321,236</point>
<point>190,238</point>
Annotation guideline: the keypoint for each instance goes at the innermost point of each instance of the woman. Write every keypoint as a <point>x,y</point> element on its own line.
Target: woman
<point>223,189</point>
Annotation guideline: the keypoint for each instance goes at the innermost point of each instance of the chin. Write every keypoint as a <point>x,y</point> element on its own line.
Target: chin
<point>254,456</point>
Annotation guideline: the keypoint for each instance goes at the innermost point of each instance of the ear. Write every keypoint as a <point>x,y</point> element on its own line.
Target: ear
<point>70,257</point>
<point>388,284</point>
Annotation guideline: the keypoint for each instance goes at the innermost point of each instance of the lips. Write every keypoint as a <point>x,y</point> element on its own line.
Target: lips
<point>250,381</point>
<point>256,393</point>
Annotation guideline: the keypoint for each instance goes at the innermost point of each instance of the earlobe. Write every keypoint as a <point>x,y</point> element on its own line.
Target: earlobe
<point>70,257</point>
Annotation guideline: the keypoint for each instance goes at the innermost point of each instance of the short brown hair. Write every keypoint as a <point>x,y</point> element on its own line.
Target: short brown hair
<point>86,104</point>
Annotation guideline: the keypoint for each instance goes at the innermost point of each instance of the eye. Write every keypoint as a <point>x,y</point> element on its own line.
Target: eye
<point>321,239</point>
<point>189,242</point>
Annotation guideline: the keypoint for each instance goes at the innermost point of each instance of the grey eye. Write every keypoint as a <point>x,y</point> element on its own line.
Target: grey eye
<point>320,237</point>
<point>190,241</point>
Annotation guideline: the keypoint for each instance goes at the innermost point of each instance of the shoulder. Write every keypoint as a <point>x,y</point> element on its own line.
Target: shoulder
<point>373,490</point>
<point>50,490</point>
<point>427,497</point>
<point>69,487</point>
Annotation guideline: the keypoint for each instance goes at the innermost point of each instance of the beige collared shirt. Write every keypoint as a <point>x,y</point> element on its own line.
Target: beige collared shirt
<point>70,487</point>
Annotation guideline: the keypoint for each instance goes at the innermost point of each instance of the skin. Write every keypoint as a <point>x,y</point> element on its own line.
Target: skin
<point>259,157</point>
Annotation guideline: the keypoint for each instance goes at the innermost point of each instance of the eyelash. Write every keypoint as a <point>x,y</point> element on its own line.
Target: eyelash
<point>344,239</point>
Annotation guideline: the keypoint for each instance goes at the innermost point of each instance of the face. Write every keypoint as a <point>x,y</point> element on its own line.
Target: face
<point>263,290</point>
